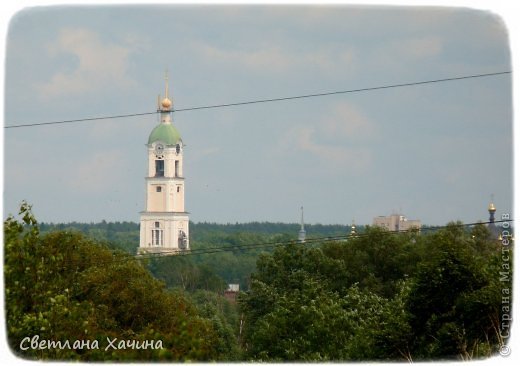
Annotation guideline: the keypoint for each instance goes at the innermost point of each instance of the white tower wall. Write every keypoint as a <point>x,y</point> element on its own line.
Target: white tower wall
<point>164,224</point>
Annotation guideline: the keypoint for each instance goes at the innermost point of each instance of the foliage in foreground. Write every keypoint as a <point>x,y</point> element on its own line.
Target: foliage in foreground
<point>64,286</point>
<point>378,297</point>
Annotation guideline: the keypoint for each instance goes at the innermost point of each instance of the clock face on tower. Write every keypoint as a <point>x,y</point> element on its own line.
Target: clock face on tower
<point>159,149</point>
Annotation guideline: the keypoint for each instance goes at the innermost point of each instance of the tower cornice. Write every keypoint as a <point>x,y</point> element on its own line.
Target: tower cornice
<point>164,179</point>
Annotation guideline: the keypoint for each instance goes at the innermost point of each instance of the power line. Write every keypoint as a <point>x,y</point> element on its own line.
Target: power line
<point>80,120</point>
<point>270,100</point>
<point>344,91</point>
<point>213,250</point>
<point>121,257</point>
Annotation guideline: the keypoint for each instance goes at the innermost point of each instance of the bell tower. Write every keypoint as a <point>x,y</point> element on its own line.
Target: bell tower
<point>164,224</point>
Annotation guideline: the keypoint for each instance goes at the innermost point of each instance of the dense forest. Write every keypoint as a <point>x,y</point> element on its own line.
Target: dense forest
<point>436,295</point>
<point>217,269</point>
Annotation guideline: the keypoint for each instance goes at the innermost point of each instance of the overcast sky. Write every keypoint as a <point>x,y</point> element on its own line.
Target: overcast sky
<point>434,152</point>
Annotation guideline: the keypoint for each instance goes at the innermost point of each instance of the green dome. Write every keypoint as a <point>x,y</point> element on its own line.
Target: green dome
<point>166,133</point>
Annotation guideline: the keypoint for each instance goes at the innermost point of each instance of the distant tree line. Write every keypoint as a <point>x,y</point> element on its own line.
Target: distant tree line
<point>374,296</point>
<point>206,272</point>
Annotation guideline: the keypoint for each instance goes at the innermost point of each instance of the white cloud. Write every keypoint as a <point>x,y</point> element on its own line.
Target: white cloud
<point>423,47</point>
<point>274,57</point>
<point>408,49</point>
<point>100,172</point>
<point>330,59</point>
<point>99,64</point>
<point>347,122</point>
<point>339,156</point>
<point>405,55</point>
<point>340,139</point>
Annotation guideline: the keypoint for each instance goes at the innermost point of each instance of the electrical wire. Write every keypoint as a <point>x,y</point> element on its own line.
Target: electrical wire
<point>270,100</point>
<point>220,249</point>
<point>80,120</point>
<point>120,257</point>
<point>344,91</point>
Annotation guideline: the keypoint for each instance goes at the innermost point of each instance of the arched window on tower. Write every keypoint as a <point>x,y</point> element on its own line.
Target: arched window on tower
<point>157,235</point>
<point>159,168</point>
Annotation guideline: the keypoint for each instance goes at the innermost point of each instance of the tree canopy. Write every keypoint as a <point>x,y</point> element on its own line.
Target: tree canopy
<point>64,286</point>
<point>376,295</point>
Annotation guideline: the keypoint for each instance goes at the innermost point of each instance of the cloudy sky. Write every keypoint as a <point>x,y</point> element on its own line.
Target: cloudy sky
<point>434,152</point>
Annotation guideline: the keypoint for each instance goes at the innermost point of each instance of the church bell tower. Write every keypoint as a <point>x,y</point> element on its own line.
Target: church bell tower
<point>164,224</point>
